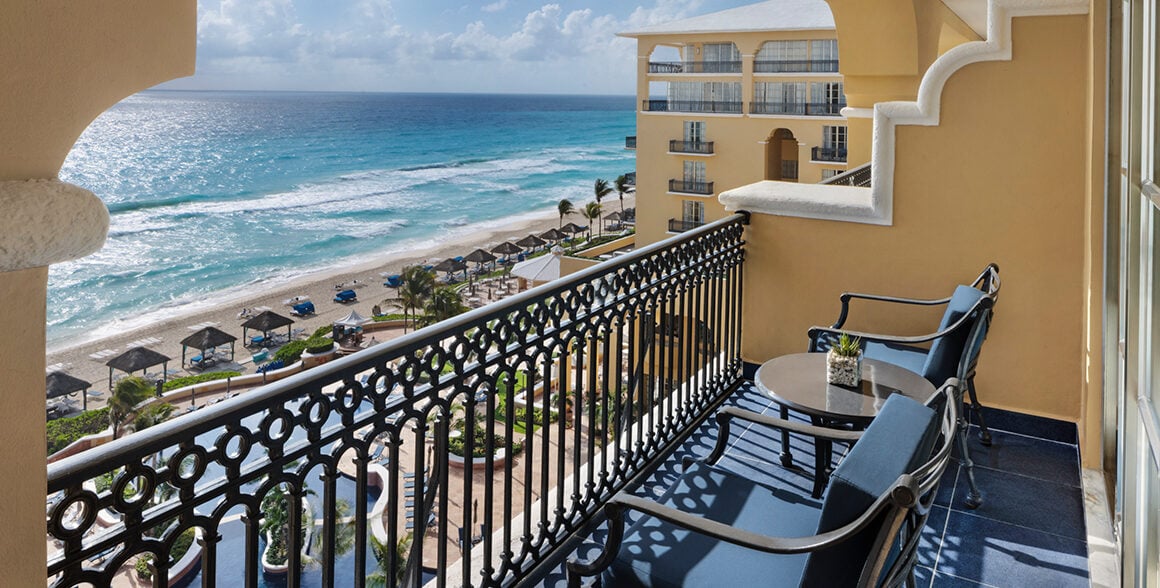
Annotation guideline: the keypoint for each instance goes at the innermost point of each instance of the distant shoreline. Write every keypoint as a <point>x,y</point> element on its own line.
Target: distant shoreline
<point>171,324</point>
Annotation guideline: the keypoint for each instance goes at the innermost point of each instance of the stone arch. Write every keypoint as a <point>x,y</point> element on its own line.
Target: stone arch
<point>781,156</point>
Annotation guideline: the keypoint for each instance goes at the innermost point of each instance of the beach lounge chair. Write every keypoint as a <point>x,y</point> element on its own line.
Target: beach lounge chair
<point>393,281</point>
<point>302,309</point>
<point>346,296</point>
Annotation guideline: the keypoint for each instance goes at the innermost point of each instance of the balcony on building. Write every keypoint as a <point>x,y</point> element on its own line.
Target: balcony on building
<point>796,66</point>
<point>696,188</point>
<point>798,108</point>
<point>694,67</point>
<point>707,106</point>
<point>828,154</point>
<point>680,225</point>
<point>691,147</point>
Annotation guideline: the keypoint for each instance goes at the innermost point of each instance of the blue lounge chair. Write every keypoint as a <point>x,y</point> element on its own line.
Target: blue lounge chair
<point>393,281</point>
<point>346,296</point>
<point>302,309</point>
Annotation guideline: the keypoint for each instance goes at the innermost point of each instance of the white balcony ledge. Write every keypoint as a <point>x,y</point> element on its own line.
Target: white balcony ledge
<point>818,201</point>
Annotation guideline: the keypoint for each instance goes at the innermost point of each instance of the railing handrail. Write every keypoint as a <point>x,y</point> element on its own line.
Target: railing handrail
<point>719,106</point>
<point>682,146</point>
<point>692,187</point>
<point>792,65</point>
<point>75,469</point>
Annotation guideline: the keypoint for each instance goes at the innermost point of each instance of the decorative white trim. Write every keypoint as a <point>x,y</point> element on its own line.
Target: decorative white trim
<point>874,205</point>
<point>47,222</point>
<point>856,112</point>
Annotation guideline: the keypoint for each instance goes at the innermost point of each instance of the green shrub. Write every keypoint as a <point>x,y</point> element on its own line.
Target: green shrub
<point>322,331</point>
<point>61,432</point>
<point>521,415</point>
<point>290,352</point>
<point>456,444</point>
<point>318,345</point>
<point>180,548</point>
<point>184,381</point>
<point>142,566</point>
<point>394,316</point>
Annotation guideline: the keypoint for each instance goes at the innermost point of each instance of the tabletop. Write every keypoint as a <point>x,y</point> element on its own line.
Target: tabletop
<point>798,381</point>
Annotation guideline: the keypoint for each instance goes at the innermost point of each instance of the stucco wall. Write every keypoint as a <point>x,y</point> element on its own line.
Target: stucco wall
<point>1002,178</point>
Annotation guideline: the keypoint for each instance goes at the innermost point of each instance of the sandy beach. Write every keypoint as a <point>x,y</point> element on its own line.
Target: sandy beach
<point>320,287</point>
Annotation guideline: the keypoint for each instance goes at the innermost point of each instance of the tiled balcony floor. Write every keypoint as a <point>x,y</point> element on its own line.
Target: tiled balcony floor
<point>1029,531</point>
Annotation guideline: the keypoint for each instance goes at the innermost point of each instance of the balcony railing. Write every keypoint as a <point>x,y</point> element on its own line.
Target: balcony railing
<point>630,142</point>
<point>695,147</point>
<point>796,66</point>
<point>680,67</point>
<point>798,108</point>
<point>835,154</point>
<point>859,177</point>
<point>565,391</point>
<point>688,187</point>
<point>677,225</point>
<point>630,177</point>
<point>691,106</point>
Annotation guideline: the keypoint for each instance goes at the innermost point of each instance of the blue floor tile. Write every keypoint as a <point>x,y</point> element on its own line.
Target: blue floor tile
<point>1019,454</point>
<point>1025,424</point>
<point>931,538</point>
<point>946,486</point>
<point>1028,502</point>
<point>1000,554</point>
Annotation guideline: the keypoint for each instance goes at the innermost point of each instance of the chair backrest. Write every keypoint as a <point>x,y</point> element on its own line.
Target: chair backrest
<point>898,442</point>
<point>950,355</point>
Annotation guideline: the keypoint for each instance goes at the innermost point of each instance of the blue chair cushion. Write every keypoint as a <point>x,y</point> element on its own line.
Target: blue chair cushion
<point>911,358</point>
<point>656,553</point>
<point>945,352</point>
<point>898,441</point>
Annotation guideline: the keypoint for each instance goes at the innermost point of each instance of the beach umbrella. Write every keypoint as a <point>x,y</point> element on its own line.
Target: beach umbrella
<point>479,256</point>
<point>137,359</point>
<point>266,322</point>
<point>57,384</point>
<point>541,269</point>
<point>207,338</point>
<point>507,248</point>
<point>553,234</point>
<point>573,229</point>
<point>531,242</point>
<point>615,216</point>
<point>450,266</point>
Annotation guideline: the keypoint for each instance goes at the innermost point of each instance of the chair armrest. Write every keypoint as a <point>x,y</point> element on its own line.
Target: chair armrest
<point>725,415</point>
<point>981,306</point>
<point>903,493</point>
<point>846,297</point>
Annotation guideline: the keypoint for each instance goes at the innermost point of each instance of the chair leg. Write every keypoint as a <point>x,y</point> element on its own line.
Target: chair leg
<point>786,456</point>
<point>984,433</point>
<point>974,498</point>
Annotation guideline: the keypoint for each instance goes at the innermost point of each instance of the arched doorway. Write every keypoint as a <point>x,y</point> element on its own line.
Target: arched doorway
<point>781,156</point>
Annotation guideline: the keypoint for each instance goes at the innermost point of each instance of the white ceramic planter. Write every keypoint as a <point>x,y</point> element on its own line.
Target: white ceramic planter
<point>843,370</point>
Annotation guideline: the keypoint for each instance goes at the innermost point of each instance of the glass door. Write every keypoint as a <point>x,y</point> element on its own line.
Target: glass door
<point>1137,378</point>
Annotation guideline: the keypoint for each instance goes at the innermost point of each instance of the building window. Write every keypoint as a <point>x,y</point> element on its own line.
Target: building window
<point>827,93</point>
<point>694,131</point>
<point>779,98</point>
<point>824,50</point>
<point>693,212</point>
<point>783,51</point>
<point>829,173</point>
<point>834,138</point>
<point>789,169</point>
<point>694,172</point>
<point>704,97</point>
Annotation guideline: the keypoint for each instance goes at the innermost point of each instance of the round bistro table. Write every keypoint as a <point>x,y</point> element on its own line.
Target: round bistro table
<point>798,382</point>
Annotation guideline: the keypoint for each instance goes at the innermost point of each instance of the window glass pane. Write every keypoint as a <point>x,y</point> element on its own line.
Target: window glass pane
<point>782,51</point>
<point>824,49</point>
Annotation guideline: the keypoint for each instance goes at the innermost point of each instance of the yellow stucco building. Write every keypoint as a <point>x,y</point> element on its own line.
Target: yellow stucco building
<point>1020,132</point>
<point>729,98</point>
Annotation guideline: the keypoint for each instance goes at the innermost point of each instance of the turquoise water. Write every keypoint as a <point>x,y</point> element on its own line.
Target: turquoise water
<point>212,194</point>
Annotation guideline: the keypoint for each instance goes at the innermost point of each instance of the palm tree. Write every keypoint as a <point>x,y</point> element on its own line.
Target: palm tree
<point>154,414</point>
<point>565,208</point>
<point>622,188</point>
<point>128,393</point>
<point>378,578</point>
<point>416,287</point>
<point>602,189</point>
<point>592,213</point>
<point>444,303</point>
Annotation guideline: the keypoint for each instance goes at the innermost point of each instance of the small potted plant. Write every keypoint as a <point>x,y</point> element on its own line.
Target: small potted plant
<point>844,362</point>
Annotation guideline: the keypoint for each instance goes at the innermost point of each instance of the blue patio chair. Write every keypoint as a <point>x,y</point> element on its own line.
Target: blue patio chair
<point>346,296</point>
<point>714,527</point>
<point>953,351</point>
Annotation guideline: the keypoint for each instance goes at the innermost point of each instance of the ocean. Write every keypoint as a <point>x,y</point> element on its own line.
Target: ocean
<point>213,194</point>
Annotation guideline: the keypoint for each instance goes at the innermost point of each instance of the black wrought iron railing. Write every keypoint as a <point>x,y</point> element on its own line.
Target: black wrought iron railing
<point>630,177</point>
<point>630,142</point>
<point>836,154</point>
<point>684,67</point>
<point>564,392</point>
<point>691,106</point>
<point>696,147</point>
<point>859,177</point>
<point>690,187</point>
<point>796,66</point>
<point>677,225</point>
<point>798,108</point>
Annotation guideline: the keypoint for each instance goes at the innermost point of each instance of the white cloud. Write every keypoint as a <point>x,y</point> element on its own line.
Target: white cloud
<point>254,44</point>
<point>495,6</point>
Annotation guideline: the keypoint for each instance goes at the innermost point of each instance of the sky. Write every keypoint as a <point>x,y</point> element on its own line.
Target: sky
<point>485,46</point>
